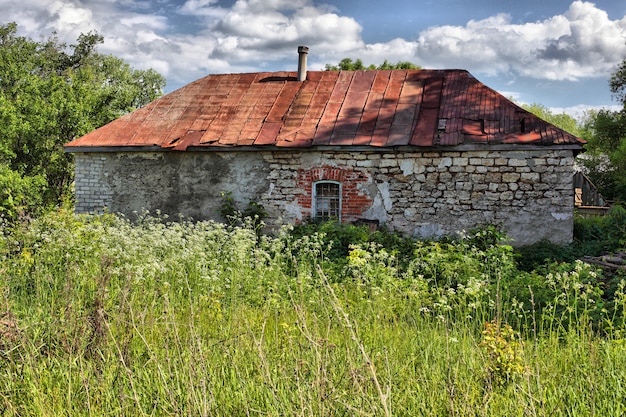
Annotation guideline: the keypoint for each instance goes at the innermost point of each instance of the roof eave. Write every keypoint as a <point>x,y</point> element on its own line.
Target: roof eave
<point>330,148</point>
<point>110,149</point>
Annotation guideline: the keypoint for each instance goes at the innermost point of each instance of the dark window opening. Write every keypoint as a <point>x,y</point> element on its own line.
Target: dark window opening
<point>327,201</point>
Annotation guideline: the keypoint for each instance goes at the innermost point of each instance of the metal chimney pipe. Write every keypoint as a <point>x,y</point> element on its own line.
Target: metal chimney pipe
<point>303,51</point>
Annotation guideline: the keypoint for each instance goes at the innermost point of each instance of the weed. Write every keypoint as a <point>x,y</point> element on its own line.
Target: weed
<point>253,213</point>
<point>504,353</point>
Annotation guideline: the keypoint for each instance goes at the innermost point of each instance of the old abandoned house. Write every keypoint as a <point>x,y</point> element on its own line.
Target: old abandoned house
<point>424,152</point>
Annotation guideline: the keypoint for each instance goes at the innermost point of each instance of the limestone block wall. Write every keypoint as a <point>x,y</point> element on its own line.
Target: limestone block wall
<point>527,192</point>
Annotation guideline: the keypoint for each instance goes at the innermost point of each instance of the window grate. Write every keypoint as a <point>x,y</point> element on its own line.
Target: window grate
<point>327,201</point>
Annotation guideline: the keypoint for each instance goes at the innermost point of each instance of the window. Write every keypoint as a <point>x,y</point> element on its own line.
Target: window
<point>327,200</point>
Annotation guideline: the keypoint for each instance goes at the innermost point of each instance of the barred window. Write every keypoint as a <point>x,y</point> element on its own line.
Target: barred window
<point>327,201</point>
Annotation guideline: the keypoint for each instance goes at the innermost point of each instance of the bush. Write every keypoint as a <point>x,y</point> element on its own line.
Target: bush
<point>563,293</point>
<point>532,257</point>
<point>338,236</point>
<point>608,232</point>
<point>504,353</point>
<point>449,262</point>
<point>20,197</point>
<point>593,236</point>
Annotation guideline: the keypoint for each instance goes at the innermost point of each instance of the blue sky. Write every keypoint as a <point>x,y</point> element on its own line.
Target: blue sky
<point>553,52</point>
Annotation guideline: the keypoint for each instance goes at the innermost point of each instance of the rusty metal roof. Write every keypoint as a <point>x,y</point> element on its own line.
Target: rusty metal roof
<point>378,108</point>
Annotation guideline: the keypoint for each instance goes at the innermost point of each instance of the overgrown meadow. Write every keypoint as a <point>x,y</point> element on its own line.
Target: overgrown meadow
<point>103,316</point>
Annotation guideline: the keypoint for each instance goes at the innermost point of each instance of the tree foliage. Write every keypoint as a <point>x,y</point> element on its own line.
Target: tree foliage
<point>347,64</point>
<point>605,159</point>
<point>605,132</point>
<point>560,120</point>
<point>617,83</point>
<point>51,93</point>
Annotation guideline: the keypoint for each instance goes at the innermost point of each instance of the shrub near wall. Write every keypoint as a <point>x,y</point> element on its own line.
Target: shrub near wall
<point>20,197</point>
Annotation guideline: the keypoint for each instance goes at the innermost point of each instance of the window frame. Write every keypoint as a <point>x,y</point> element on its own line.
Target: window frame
<point>314,198</point>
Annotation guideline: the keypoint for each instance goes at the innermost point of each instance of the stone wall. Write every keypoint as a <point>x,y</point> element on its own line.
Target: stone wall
<point>91,188</point>
<point>528,192</point>
<point>173,183</point>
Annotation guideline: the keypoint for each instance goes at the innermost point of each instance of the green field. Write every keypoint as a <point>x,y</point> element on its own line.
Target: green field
<point>103,316</point>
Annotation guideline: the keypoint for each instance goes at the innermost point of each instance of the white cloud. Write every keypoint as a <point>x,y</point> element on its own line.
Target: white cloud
<point>187,41</point>
<point>583,42</point>
<point>578,112</point>
<point>204,8</point>
<point>70,17</point>
<point>149,21</point>
<point>274,28</point>
<point>192,6</point>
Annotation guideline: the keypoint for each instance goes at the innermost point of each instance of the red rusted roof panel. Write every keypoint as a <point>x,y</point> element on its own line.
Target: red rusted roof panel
<point>424,133</point>
<point>378,108</point>
<point>322,135</point>
<point>268,134</point>
<point>380,81</point>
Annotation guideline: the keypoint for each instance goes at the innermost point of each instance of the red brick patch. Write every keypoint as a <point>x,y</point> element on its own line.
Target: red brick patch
<point>353,201</point>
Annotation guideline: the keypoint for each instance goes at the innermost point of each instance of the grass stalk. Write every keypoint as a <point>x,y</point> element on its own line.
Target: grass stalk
<point>350,326</point>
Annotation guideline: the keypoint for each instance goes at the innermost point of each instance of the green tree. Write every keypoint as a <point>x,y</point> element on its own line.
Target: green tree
<point>605,132</point>
<point>604,161</point>
<point>347,64</point>
<point>617,83</point>
<point>50,94</point>
<point>561,120</point>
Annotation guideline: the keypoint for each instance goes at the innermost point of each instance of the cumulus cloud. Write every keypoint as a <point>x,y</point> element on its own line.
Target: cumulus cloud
<point>187,40</point>
<point>70,17</point>
<point>206,8</point>
<point>261,30</point>
<point>580,111</point>
<point>583,42</point>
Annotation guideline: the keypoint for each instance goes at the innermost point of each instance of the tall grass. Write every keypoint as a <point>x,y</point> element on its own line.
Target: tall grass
<point>102,316</point>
